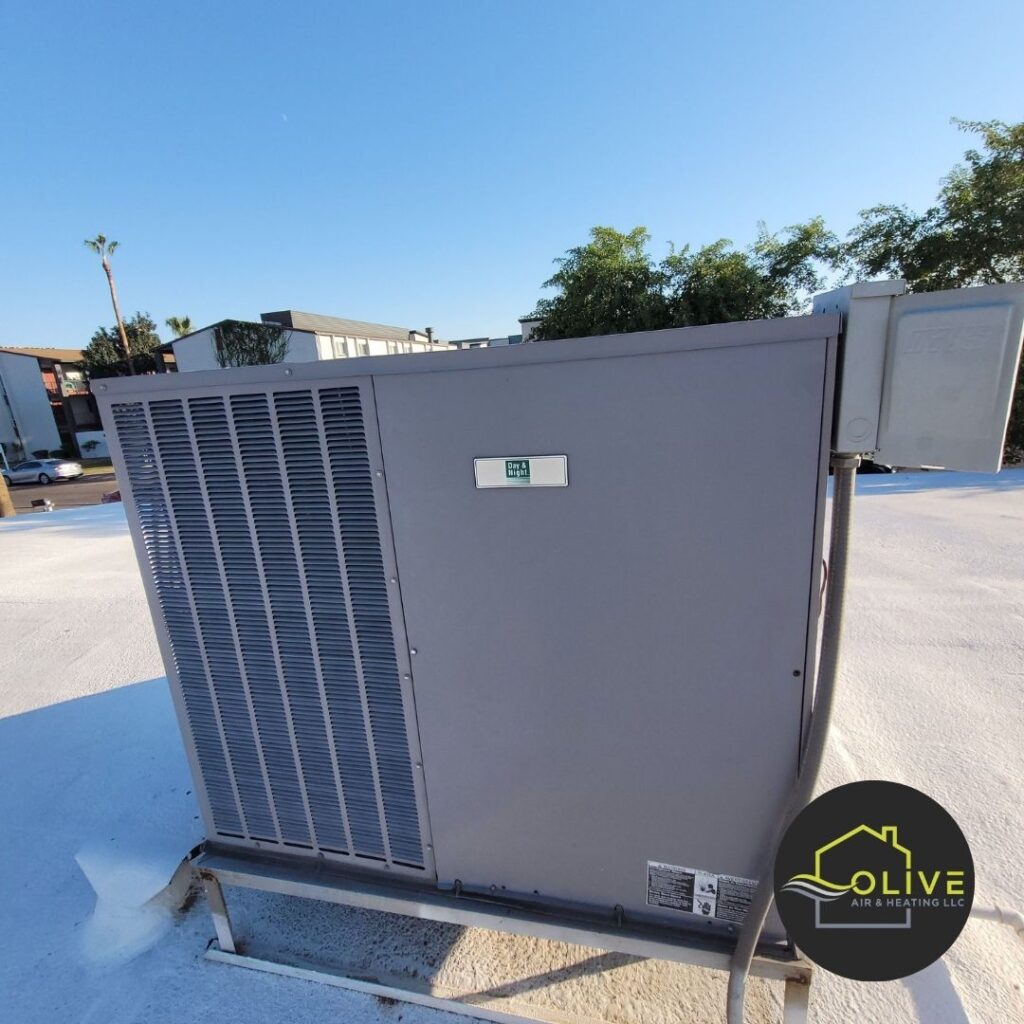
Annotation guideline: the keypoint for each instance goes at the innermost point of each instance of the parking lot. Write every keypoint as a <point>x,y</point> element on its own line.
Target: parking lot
<point>86,490</point>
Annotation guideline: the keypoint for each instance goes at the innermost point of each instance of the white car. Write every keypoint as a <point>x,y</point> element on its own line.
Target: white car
<point>42,471</point>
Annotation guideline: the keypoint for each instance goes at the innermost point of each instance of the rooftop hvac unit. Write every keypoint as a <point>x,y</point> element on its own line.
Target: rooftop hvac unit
<point>522,637</point>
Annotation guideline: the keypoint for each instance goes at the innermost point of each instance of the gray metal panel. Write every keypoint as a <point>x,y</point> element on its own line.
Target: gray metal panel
<point>612,672</point>
<point>950,372</point>
<point>260,520</point>
<point>865,311</point>
<point>685,339</point>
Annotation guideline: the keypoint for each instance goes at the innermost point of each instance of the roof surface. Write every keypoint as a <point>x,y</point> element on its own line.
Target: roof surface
<point>59,355</point>
<point>336,325</point>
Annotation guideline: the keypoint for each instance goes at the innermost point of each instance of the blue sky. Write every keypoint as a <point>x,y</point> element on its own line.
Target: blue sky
<point>423,163</point>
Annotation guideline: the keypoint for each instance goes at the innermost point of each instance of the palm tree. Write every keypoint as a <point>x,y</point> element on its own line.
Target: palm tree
<point>181,325</point>
<point>105,250</point>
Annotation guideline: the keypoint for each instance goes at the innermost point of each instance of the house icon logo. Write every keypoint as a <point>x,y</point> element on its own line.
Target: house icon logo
<point>874,880</point>
<point>843,858</point>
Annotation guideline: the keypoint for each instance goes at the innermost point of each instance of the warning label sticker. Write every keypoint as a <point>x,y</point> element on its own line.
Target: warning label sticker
<point>724,897</point>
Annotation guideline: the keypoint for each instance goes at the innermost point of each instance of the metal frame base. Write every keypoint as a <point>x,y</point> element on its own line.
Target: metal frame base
<point>501,1010</point>
<point>217,868</point>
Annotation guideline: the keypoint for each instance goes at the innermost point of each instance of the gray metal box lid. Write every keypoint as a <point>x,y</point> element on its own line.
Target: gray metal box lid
<point>926,379</point>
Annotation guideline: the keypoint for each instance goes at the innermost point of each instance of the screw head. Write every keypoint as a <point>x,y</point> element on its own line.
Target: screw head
<point>378,473</point>
<point>288,373</point>
<point>394,579</point>
<point>412,650</point>
<point>405,675</point>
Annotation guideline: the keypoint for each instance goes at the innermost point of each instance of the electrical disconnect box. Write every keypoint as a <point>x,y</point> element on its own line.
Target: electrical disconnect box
<point>926,380</point>
<point>537,622</point>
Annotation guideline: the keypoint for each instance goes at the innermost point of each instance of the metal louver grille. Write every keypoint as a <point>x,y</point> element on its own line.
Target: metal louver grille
<point>258,517</point>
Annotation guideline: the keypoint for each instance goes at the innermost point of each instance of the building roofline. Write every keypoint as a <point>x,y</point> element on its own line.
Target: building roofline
<point>344,319</point>
<point>198,330</point>
<point>322,323</point>
<point>218,323</point>
<point>56,355</point>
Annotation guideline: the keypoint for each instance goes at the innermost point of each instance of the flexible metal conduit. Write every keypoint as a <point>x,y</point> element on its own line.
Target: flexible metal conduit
<point>844,476</point>
<point>1013,918</point>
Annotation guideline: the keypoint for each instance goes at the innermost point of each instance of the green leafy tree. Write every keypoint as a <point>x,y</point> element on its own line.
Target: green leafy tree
<point>774,277</point>
<point>242,343</point>
<point>607,286</point>
<point>1014,450</point>
<point>180,325</point>
<point>974,234</point>
<point>104,356</point>
<point>613,284</point>
<point>713,284</point>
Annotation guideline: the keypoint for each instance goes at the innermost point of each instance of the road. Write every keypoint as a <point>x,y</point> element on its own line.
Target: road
<point>86,490</point>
